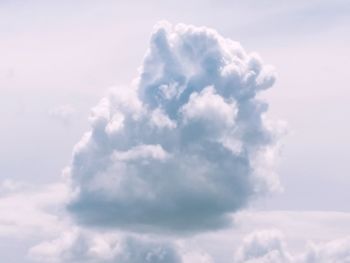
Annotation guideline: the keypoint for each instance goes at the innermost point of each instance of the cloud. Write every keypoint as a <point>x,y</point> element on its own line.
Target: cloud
<point>64,113</point>
<point>263,246</point>
<point>268,246</point>
<point>228,245</point>
<point>337,251</point>
<point>79,245</point>
<point>196,256</point>
<point>8,186</point>
<point>28,210</point>
<point>315,225</point>
<point>184,146</point>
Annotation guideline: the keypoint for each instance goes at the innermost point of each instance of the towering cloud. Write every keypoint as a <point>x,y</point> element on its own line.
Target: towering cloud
<point>184,146</point>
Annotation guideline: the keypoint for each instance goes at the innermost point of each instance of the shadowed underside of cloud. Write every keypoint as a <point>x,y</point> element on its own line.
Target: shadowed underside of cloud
<point>184,146</point>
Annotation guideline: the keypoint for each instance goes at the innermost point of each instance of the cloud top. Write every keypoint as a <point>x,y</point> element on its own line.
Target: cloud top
<point>184,146</point>
<point>269,246</point>
<point>263,246</point>
<point>77,246</point>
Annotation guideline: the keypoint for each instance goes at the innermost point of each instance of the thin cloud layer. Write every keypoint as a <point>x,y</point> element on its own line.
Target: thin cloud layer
<point>184,146</point>
<point>63,113</point>
<point>28,210</point>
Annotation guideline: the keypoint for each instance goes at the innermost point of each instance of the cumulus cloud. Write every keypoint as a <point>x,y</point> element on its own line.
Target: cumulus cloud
<point>264,247</point>
<point>77,246</point>
<point>184,146</point>
<point>337,251</point>
<point>269,246</point>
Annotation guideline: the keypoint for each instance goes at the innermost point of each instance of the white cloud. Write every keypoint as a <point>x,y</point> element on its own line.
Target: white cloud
<point>8,185</point>
<point>269,246</point>
<point>64,113</point>
<point>184,146</point>
<point>161,120</point>
<point>264,247</point>
<point>314,237</point>
<point>313,225</point>
<point>211,109</point>
<point>197,256</point>
<point>27,210</point>
<point>78,245</point>
<point>141,152</point>
<point>337,251</point>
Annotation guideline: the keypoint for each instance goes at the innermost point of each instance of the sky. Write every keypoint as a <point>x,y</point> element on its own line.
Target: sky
<point>242,105</point>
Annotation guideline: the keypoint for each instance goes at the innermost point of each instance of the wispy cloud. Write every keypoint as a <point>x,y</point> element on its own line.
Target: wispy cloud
<point>64,113</point>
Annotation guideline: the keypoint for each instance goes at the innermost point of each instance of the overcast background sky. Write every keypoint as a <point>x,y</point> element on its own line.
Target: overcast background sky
<point>58,58</point>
